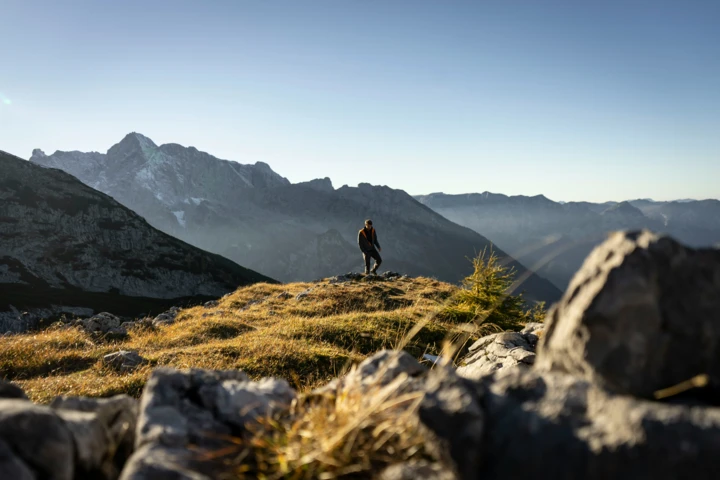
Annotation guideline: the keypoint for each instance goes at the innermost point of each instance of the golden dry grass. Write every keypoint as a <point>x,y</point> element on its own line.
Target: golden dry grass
<point>307,341</point>
<point>351,433</point>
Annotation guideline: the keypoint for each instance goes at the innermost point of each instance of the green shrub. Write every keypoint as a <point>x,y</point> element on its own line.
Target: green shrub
<point>483,298</point>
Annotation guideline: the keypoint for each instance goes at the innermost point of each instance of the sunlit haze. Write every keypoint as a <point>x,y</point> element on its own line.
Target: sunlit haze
<point>592,101</point>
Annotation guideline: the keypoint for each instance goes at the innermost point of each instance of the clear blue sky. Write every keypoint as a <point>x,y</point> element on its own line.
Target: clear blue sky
<point>602,100</point>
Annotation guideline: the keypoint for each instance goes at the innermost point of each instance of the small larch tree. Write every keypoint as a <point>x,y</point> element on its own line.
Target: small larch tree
<point>484,297</point>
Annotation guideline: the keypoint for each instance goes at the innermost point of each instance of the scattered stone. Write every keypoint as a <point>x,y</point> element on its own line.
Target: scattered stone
<point>211,304</point>
<point>354,277</point>
<point>500,351</point>
<point>118,333</point>
<point>166,318</point>
<point>382,368</point>
<point>284,295</point>
<point>303,294</point>
<point>641,315</point>
<point>123,360</point>
<point>249,304</point>
<point>101,323</point>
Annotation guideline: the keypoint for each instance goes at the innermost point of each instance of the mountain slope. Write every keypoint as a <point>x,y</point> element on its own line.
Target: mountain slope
<point>65,244</point>
<point>554,237</point>
<point>290,232</point>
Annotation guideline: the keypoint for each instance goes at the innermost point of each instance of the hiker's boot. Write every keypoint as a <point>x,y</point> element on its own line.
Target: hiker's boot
<point>374,270</point>
<point>367,272</point>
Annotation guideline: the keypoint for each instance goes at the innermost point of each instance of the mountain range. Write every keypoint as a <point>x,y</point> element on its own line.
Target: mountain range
<point>65,247</point>
<point>257,218</point>
<point>554,238</point>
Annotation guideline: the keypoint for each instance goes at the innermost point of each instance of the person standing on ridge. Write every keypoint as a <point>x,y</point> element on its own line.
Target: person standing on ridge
<point>367,241</point>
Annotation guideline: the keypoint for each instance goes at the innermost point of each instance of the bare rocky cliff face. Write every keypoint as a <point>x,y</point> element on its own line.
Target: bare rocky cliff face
<point>292,232</point>
<point>554,238</point>
<point>66,247</point>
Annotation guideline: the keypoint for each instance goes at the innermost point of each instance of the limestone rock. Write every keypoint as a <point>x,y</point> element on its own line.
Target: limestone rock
<point>500,351</point>
<point>103,430</point>
<point>166,318</point>
<point>10,390</point>
<point>560,426</point>
<point>303,294</point>
<point>101,323</point>
<point>74,438</point>
<point>641,315</point>
<point>417,470</point>
<point>39,441</point>
<point>123,360</point>
<point>200,408</point>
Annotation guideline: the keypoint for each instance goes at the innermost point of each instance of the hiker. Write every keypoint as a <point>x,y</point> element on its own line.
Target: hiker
<point>367,240</point>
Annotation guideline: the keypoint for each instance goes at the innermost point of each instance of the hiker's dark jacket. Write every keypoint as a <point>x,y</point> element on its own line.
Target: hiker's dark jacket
<point>367,240</point>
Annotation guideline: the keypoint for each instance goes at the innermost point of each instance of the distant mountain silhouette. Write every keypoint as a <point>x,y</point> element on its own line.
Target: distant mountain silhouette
<point>291,232</point>
<point>554,238</point>
<point>64,245</point>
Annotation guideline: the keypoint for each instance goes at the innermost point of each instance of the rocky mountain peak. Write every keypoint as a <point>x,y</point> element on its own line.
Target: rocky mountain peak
<point>132,143</point>
<point>37,153</point>
<point>321,184</point>
<point>625,209</point>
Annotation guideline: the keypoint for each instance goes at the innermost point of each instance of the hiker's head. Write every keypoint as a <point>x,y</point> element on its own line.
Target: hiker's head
<point>368,223</point>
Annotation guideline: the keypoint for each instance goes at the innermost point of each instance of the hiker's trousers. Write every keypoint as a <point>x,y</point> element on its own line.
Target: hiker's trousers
<point>372,254</point>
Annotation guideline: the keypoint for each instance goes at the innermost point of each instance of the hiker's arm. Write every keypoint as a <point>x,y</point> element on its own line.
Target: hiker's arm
<point>376,240</point>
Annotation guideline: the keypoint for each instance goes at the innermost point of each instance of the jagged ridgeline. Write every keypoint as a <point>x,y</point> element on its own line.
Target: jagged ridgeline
<point>65,247</point>
<point>555,237</point>
<point>291,232</point>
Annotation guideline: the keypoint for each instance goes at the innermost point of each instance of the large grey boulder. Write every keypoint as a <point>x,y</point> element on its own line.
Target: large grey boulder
<point>186,415</point>
<point>559,426</point>
<point>641,315</point>
<point>74,438</point>
<point>39,442</point>
<point>10,390</point>
<point>103,430</point>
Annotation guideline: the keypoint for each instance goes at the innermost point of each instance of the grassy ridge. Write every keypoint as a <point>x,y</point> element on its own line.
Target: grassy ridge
<point>306,341</point>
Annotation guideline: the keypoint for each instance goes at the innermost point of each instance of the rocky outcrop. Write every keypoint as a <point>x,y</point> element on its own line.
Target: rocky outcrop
<point>562,426</point>
<point>641,315</point>
<point>355,277</point>
<point>503,350</point>
<point>72,438</point>
<point>252,215</point>
<point>64,245</point>
<point>204,409</point>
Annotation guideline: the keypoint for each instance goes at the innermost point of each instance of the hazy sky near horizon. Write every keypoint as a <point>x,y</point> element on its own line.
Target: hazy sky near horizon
<point>592,101</point>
